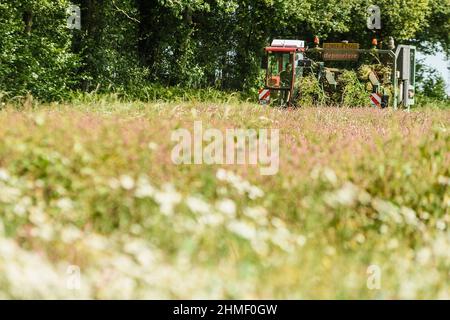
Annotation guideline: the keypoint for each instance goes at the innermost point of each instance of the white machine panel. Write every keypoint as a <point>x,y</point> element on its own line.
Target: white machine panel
<point>288,43</point>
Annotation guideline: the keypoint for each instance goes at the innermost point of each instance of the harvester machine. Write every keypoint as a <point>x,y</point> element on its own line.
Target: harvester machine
<point>338,73</point>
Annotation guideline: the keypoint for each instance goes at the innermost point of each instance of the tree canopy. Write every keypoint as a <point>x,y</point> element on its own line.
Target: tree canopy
<point>123,45</point>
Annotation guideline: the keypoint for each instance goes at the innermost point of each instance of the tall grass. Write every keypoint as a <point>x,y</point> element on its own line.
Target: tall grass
<point>92,186</point>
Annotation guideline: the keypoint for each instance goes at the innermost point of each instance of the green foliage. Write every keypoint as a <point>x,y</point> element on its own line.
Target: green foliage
<point>434,87</point>
<point>422,101</point>
<point>107,45</point>
<point>160,93</point>
<point>430,82</point>
<point>128,45</point>
<point>430,88</point>
<point>353,91</point>
<point>36,49</point>
<point>434,35</point>
<point>311,92</point>
<point>350,91</point>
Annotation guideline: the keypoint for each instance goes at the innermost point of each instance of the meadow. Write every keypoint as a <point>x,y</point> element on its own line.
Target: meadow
<point>89,186</point>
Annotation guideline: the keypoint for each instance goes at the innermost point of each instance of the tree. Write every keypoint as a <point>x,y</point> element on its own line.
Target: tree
<point>35,49</point>
<point>430,82</point>
<point>434,34</point>
<point>434,86</point>
<point>126,45</point>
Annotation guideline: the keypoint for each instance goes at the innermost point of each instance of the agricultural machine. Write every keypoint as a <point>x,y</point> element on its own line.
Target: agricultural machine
<point>338,73</point>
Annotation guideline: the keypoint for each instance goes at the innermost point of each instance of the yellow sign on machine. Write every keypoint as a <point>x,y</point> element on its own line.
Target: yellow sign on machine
<point>341,51</point>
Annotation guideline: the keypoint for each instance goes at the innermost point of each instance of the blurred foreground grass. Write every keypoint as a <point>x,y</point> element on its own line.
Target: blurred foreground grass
<point>93,186</point>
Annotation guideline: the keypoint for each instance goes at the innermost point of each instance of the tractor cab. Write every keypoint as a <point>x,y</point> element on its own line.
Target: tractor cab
<point>281,64</point>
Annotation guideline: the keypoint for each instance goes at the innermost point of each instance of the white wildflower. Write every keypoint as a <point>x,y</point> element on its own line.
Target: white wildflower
<point>441,247</point>
<point>64,204</point>
<point>258,214</point>
<point>29,275</point>
<point>145,191</point>
<point>278,223</point>
<point>408,289</point>
<point>122,287</point>
<point>301,240</point>
<point>78,147</point>
<point>345,196</point>
<point>260,246</point>
<point>444,180</point>
<point>255,193</point>
<point>392,244</point>
<point>409,215</point>
<point>242,229</point>
<point>153,146</point>
<point>360,238</point>
<point>45,232</point>
<point>37,215</point>
<point>315,173</point>
<point>330,176</point>
<point>39,183</point>
<point>282,238</point>
<point>263,118</point>
<point>126,182</point>
<point>9,194</point>
<point>144,188</point>
<point>364,197</point>
<point>444,294</point>
<point>8,249</point>
<point>423,256</point>
<point>240,185</point>
<point>4,175</point>
<point>424,215</point>
<point>124,263</point>
<point>167,199</point>
<point>222,191</point>
<point>141,251</point>
<point>39,118</point>
<point>387,210</point>
<point>136,229</point>
<point>96,242</point>
<point>146,258</point>
<point>440,225</point>
<point>20,210</point>
<point>114,183</point>
<point>211,219</point>
<point>70,234</point>
<point>330,251</point>
<point>198,205</point>
<point>2,228</point>
<point>227,206</point>
<point>221,174</point>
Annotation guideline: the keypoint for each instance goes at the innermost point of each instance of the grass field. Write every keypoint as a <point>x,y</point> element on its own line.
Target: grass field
<point>92,186</point>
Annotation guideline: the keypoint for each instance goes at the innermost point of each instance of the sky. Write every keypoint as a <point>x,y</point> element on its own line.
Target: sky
<point>438,62</point>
